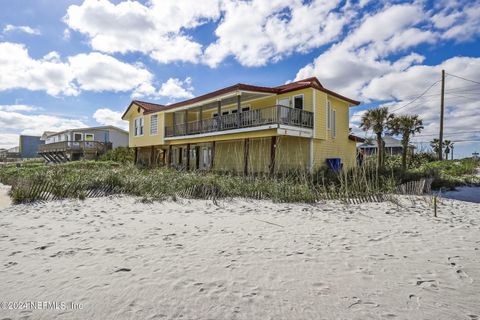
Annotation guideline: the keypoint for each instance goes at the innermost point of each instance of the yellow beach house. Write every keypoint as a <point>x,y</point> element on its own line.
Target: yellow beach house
<point>246,129</point>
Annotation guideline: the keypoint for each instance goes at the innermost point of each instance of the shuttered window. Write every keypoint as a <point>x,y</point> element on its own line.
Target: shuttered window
<point>153,124</point>
<point>138,123</point>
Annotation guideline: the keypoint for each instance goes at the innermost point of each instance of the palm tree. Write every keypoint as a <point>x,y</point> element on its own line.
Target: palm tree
<point>435,144</point>
<point>376,120</point>
<point>406,126</point>
<point>448,147</point>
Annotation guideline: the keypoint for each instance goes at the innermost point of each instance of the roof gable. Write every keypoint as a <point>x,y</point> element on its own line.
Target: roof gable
<point>148,107</point>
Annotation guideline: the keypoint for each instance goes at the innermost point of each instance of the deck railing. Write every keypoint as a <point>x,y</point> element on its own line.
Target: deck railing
<point>251,118</point>
<point>80,146</point>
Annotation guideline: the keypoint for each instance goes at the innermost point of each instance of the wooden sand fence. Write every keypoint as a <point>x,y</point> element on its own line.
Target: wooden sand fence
<point>41,190</point>
<point>26,192</point>
<point>419,187</point>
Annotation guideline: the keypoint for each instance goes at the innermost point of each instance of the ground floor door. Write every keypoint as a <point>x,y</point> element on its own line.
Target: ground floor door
<point>200,156</point>
<point>205,156</point>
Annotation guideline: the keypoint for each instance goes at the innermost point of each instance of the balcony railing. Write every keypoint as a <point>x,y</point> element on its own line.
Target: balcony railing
<point>75,146</point>
<point>252,118</point>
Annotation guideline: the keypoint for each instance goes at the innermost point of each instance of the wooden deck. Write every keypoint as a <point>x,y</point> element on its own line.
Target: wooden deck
<point>73,150</point>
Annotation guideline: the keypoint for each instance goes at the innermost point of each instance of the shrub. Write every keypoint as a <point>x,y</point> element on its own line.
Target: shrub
<point>120,154</point>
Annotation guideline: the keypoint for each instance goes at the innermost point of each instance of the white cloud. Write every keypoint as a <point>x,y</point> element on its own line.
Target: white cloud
<point>156,29</point>
<point>105,116</point>
<point>350,64</point>
<point>94,71</point>
<point>254,32</point>
<point>457,20</point>
<point>66,34</point>
<point>273,30</point>
<point>381,43</point>
<point>461,107</point>
<point>8,140</point>
<point>177,89</point>
<point>99,72</point>
<point>25,29</point>
<point>259,32</point>
<point>173,89</point>
<point>36,124</point>
<point>19,70</point>
<point>17,107</point>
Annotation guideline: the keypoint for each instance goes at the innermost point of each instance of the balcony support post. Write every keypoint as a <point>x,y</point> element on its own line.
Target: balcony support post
<point>200,117</point>
<point>219,115</point>
<point>246,150</point>
<point>152,156</point>
<point>273,149</point>
<point>135,156</point>
<point>169,161</point>
<point>188,157</point>
<point>239,102</point>
<point>212,158</point>
<point>174,124</point>
<point>186,122</point>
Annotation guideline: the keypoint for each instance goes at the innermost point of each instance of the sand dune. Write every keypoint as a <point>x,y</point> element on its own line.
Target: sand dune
<point>122,259</point>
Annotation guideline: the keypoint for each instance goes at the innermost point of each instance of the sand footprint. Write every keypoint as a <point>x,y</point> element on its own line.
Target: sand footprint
<point>323,289</point>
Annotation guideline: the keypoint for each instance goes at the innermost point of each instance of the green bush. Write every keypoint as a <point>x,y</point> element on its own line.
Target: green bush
<point>421,158</point>
<point>120,154</point>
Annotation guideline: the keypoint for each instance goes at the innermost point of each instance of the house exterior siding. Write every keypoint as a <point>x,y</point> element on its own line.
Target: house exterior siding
<point>28,146</point>
<point>326,145</point>
<point>289,146</point>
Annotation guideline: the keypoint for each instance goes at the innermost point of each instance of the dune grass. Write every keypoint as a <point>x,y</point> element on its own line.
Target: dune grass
<point>31,181</point>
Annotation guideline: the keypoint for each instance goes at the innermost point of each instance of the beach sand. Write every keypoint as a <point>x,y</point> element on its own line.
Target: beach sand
<point>5,200</point>
<point>118,258</point>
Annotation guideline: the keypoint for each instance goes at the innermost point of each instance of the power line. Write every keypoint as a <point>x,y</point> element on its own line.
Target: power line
<point>466,89</point>
<point>448,91</point>
<point>450,133</point>
<point>477,82</point>
<point>459,96</point>
<point>405,105</point>
<point>466,140</point>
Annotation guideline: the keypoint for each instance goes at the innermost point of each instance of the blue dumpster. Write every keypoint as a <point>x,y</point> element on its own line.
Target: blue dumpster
<point>335,164</point>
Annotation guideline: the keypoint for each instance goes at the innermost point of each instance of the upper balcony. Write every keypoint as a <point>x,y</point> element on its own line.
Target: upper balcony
<point>255,119</point>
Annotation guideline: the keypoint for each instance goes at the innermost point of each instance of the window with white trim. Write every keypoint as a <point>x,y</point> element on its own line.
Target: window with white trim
<point>329,108</point>
<point>334,124</point>
<point>138,123</point>
<point>89,137</point>
<point>153,124</point>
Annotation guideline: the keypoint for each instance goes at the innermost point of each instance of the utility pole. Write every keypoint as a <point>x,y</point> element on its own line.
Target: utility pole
<point>442,107</point>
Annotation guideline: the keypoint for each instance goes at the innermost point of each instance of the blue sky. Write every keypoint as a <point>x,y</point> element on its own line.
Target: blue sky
<point>76,63</point>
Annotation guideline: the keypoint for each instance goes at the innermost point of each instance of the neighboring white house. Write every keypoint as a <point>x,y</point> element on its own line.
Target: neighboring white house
<point>81,143</point>
<point>118,137</point>
<point>392,146</point>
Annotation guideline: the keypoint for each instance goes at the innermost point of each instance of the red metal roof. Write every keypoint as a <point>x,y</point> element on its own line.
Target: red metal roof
<point>355,138</point>
<point>296,85</point>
